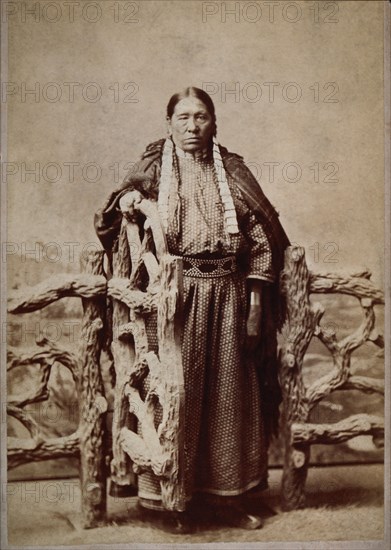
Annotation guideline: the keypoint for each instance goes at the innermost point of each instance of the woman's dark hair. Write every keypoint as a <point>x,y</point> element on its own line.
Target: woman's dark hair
<point>191,91</point>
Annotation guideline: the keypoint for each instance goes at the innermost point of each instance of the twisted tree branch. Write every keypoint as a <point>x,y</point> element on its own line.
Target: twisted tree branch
<point>354,285</point>
<point>358,424</point>
<point>56,287</point>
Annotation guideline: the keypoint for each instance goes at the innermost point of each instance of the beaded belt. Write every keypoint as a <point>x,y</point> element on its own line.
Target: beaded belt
<point>208,268</point>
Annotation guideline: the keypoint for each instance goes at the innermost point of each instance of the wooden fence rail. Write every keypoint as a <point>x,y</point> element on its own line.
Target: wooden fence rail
<point>158,449</point>
<point>301,325</point>
<point>86,442</point>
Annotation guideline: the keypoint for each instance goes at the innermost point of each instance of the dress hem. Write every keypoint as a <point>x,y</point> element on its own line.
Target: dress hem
<point>229,493</point>
<point>233,492</point>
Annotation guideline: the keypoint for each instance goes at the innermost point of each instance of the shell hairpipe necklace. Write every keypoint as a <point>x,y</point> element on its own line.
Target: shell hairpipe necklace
<point>230,219</point>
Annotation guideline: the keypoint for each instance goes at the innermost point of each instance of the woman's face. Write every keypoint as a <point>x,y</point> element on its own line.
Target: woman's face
<point>191,125</point>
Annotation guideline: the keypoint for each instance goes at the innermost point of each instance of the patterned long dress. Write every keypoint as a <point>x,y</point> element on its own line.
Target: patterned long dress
<point>225,447</point>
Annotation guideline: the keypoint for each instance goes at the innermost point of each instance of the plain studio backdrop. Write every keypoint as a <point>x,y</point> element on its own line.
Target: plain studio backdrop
<point>298,89</point>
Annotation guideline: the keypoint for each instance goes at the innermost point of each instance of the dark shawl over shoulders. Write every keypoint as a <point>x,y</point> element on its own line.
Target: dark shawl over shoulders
<point>259,204</point>
<point>144,177</point>
<point>265,356</point>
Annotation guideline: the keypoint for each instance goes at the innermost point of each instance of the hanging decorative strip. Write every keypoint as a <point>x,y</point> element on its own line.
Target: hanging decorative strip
<point>165,182</point>
<point>230,219</point>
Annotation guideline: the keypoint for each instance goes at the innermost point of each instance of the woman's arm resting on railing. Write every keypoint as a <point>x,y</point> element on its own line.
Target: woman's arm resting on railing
<point>107,220</point>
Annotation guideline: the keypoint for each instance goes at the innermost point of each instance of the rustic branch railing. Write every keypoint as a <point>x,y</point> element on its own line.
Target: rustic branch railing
<point>302,323</point>
<point>139,442</point>
<point>150,447</point>
<point>86,442</point>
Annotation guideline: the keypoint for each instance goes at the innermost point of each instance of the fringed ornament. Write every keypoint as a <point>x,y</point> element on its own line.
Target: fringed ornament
<point>165,182</point>
<point>230,219</point>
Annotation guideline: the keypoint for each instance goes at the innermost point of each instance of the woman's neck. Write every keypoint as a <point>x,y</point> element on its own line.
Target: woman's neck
<point>200,154</point>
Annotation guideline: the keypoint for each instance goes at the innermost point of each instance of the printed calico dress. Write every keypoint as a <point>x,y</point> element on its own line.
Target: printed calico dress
<point>225,449</point>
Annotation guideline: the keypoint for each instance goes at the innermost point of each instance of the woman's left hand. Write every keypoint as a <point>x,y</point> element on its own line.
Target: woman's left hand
<point>253,326</point>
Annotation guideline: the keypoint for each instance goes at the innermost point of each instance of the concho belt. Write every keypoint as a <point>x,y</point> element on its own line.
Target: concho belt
<point>208,268</point>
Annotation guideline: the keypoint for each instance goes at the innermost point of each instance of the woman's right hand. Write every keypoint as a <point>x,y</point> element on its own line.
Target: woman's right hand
<point>128,201</point>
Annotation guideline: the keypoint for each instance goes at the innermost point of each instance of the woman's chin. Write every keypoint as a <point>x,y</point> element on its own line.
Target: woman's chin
<point>191,147</point>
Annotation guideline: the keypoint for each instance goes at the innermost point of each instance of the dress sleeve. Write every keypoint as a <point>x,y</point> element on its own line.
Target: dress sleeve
<point>259,258</point>
<point>260,261</point>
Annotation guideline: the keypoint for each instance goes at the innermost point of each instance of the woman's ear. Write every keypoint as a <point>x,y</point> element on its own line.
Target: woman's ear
<point>169,130</point>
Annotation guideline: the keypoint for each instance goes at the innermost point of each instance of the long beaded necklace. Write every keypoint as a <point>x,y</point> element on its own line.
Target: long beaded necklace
<point>170,163</point>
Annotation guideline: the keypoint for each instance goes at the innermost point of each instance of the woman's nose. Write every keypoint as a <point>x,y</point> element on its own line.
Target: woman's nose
<point>191,125</point>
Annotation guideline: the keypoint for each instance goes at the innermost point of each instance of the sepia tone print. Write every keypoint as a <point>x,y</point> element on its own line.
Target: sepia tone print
<point>194,332</point>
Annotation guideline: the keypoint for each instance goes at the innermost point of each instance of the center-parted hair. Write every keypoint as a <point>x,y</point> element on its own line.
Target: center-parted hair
<point>192,91</point>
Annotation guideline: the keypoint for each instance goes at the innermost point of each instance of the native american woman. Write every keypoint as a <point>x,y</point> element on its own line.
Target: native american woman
<point>218,220</point>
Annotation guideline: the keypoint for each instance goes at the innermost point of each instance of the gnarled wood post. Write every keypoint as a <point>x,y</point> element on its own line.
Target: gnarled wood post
<point>124,357</point>
<point>93,404</point>
<point>301,325</point>
<point>298,330</point>
<point>169,338</point>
